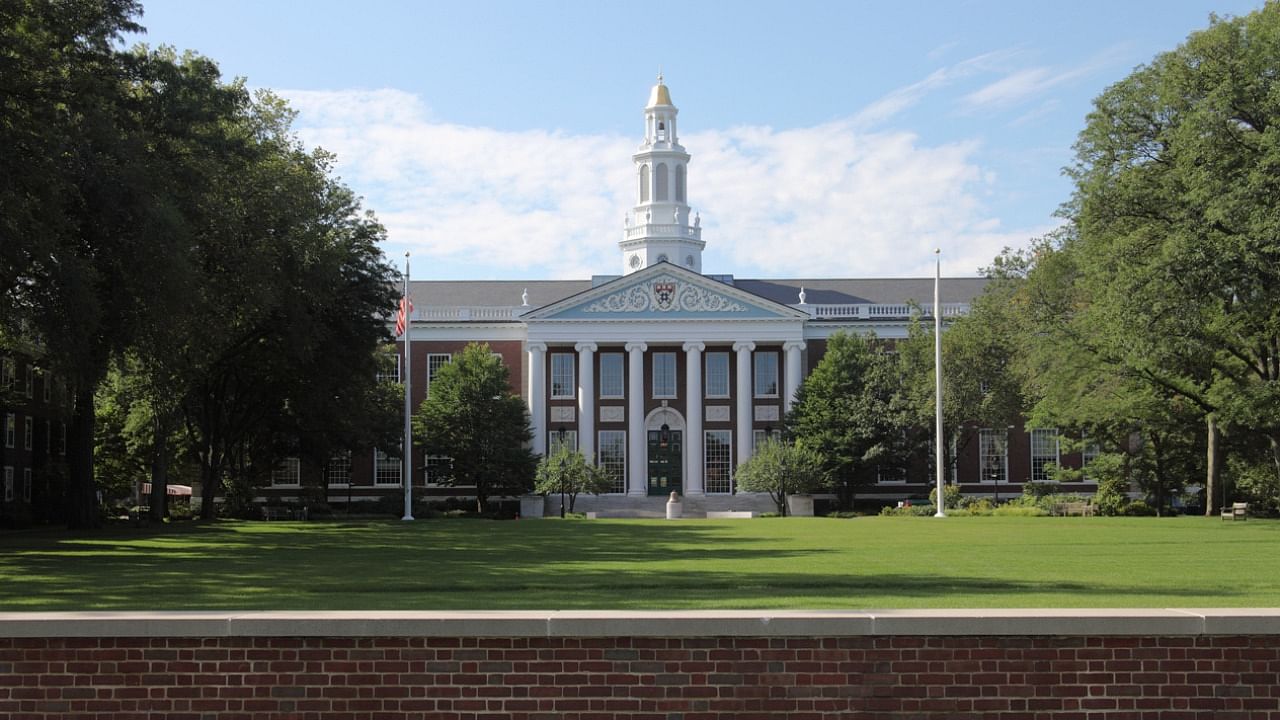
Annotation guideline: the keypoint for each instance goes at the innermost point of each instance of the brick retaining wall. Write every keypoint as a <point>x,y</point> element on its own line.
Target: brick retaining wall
<point>659,666</point>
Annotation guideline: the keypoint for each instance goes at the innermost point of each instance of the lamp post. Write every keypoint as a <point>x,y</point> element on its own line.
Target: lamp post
<point>937,371</point>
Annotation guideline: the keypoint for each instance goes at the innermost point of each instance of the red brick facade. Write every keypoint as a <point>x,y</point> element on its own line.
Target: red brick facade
<point>634,677</point>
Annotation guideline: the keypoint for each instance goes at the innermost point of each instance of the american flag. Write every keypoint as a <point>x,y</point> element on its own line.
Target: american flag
<point>403,315</point>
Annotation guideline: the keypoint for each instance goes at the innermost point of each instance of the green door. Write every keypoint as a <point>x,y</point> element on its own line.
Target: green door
<point>665,462</point>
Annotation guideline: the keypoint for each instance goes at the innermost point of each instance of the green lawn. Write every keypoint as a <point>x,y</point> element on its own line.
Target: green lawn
<point>553,564</point>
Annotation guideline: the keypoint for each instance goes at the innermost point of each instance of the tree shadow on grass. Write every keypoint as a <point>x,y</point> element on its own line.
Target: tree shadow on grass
<point>496,565</point>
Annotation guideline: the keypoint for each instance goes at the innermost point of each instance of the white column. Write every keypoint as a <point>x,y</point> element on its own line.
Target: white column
<point>538,395</point>
<point>586,400</point>
<point>794,374</point>
<point>693,418</point>
<point>743,393</point>
<point>638,476</point>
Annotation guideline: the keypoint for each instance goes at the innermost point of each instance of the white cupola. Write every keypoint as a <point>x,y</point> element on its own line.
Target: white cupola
<point>659,227</point>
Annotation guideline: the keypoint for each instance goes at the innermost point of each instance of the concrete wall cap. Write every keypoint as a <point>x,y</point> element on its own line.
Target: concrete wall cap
<point>690,623</point>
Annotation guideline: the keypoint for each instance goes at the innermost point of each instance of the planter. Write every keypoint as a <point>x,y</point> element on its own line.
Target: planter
<point>675,508</point>
<point>531,506</point>
<point>800,505</point>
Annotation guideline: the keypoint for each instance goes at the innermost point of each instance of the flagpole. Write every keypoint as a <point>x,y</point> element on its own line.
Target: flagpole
<point>937,376</point>
<point>408,403</point>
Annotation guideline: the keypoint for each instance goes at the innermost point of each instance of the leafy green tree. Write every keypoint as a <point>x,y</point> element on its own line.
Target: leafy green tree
<point>472,416</point>
<point>568,472</point>
<point>853,411</point>
<point>781,469</point>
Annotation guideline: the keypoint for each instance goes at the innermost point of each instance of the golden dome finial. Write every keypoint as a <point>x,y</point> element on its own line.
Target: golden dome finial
<point>660,95</point>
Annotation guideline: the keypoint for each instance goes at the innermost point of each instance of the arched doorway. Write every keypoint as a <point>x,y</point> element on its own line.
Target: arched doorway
<point>664,431</point>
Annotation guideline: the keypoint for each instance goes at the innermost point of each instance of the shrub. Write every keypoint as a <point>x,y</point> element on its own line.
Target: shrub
<point>1037,490</point>
<point>1137,508</point>
<point>1019,510</point>
<point>908,511</point>
<point>950,495</point>
<point>783,469</point>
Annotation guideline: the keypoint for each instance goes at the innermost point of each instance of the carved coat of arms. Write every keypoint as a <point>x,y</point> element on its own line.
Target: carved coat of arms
<point>664,295</point>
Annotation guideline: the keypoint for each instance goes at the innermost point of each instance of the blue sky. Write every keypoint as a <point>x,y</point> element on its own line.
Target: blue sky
<point>493,139</point>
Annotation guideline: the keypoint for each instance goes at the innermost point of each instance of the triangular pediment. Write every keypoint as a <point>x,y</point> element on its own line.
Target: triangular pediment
<point>665,292</point>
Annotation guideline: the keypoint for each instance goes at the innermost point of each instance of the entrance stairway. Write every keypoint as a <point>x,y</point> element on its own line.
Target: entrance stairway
<point>695,506</point>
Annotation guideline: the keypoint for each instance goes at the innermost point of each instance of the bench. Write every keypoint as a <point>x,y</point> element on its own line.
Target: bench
<point>1083,509</point>
<point>284,512</point>
<point>1237,511</point>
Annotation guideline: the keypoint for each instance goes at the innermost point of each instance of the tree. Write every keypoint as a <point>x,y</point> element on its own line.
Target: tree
<point>1173,226</point>
<point>472,416</point>
<point>568,472</point>
<point>782,469</point>
<point>852,410</point>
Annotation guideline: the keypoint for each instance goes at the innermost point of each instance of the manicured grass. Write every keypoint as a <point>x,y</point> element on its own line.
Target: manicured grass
<point>551,564</point>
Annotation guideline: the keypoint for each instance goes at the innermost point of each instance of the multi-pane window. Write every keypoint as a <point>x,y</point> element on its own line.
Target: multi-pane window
<point>62,438</point>
<point>613,457</point>
<point>10,430</point>
<point>30,387</point>
<point>718,461</point>
<point>389,371</point>
<point>891,475</point>
<point>610,375</point>
<point>562,382</point>
<point>8,483</point>
<point>287,472</point>
<point>48,437</point>
<point>439,469</point>
<point>46,384</point>
<point>664,374</point>
<point>993,453</point>
<point>26,485</point>
<point>1089,454</point>
<point>717,374</point>
<point>558,438</point>
<point>1044,452</point>
<point>29,434</point>
<point>387,469</point>
<point>7,376</point>
<point>435,361</point>
<point>758,437</point>
<point>338,471</point>
<point>766,375</point>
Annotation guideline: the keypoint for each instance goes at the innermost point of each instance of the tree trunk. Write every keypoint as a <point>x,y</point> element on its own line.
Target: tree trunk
<point>210,478</point>
<point>82,491</point>
<point>160,472</point>
<point>1213,466</point>
<point>1275,454</point>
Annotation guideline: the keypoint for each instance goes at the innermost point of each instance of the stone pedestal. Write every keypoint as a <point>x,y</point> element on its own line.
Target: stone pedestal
<point>675,508</point>
<point>800,505</point>
<point>531,506</point>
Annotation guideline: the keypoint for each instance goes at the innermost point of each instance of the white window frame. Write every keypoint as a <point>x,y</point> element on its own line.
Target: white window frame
<point>431,461</point>
<point>30,383</point>
<point>435,361</point>
<point>562,365</point>
<point>620,479</point>
<point>8,372</point>
<point>393,376</point>
<point>987,437</point>
<point>725,438</point>
<point>8,483</point>
<point>718,355</point>
<point>759,435</point>
<point>620,358</point>
<point>384,460</point>
<point>891,475</point>
<point>332,469</point>
<point>1088,453</point>
<point>287,473</point>
<point>570,440</point>
<point>675,375</point>
<point>26,485</point>
<point>1044,457</point>
<point>756,377</point>
<point>10,430</point>
<point>29,434</point>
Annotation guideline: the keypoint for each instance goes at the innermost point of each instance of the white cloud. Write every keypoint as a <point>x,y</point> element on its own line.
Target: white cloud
<point>826,201</point>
